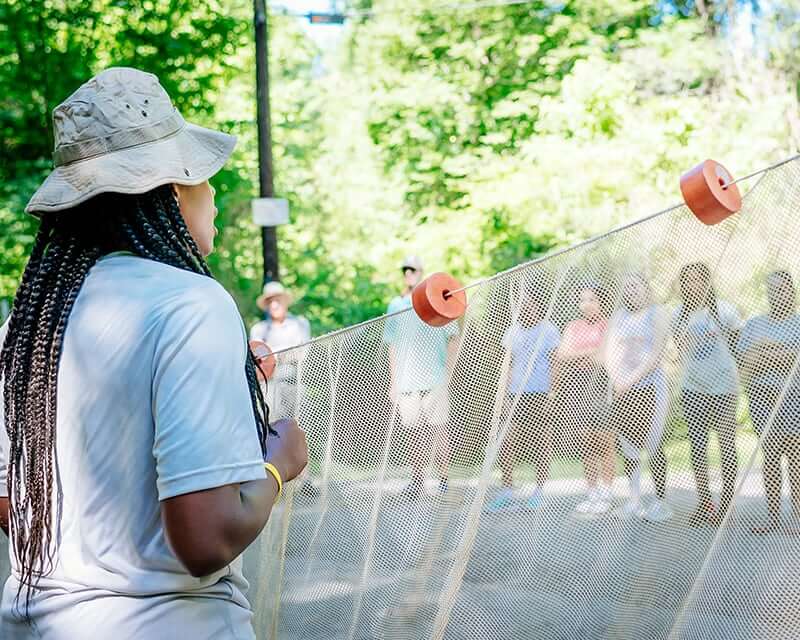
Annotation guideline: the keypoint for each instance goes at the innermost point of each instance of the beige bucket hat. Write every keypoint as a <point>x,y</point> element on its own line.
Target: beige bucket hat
<point>273,290</point>
<point>119,132</point>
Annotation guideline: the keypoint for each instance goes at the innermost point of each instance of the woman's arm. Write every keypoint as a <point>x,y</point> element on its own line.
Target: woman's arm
<point>208,529</point>
<point>660,337</point>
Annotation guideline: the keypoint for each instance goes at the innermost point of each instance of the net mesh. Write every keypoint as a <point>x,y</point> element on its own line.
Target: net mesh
<point>594,414</point>
<point>621,448</point>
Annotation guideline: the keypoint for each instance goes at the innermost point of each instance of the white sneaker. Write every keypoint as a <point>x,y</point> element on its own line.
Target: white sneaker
<point>587,506</point>
<point>631,508</point>
<point>658,511</point>
<point>600,507</point>
<point>605,494</point>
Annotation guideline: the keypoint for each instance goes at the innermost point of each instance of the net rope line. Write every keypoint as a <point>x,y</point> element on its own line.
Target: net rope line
<point>625,595</point>
<point>497,437</point>
<point>645,219</point>
<point>376,503</point>
<point>558,252</point>
<point>690,598</point>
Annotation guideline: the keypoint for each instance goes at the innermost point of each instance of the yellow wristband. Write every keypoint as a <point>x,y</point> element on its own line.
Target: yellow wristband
<point>273,470</point>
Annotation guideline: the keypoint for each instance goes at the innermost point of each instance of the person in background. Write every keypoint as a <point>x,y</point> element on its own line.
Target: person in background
<point>768,347</point>
<point>281,331</point>
<point>637,335</point>
<point>705,330</point>
<point>419,358</point>
<point>581,390</point>
<point>531,341</point>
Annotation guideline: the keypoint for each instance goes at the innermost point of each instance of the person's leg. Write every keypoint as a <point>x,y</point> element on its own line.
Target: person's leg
<point>436,408</point>
<point>608,460</point>
<point>792,451</point>
<point>541,440</point>
<point>771,472</point>
<point>726,432</point>
<point>695,411</point>
<point>625,425</point>
<point>591,460</point>
<point>507,454</point>
<point>417,436</point>
<point>654,442</point>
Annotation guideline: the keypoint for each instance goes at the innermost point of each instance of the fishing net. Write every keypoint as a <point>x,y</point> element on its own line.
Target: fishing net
<point>640,382</point>
<point>603,373</point>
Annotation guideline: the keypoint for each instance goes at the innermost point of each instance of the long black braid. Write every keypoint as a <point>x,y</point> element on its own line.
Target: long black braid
<point>67,245</point>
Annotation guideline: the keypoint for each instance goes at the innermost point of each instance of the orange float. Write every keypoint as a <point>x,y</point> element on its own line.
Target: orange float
<point>265,359</point>
<point>709,192</point>
<point>438,300</point>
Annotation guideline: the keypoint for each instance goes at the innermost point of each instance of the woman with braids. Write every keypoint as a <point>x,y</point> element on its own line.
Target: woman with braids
<point>138,456</point>
<point>705,331</point>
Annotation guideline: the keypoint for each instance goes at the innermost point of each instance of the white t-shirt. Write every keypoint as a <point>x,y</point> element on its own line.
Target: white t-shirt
<point>708,365</point>
<point>152,403</point>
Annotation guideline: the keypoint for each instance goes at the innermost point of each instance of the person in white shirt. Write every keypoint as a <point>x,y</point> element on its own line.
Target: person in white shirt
<point>634,349</point>
<point>281,331</point>
<point>705,330</point>
<point>136,464</point>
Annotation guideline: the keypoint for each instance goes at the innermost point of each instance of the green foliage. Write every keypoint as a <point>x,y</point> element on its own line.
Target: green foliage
<point>478,138</point>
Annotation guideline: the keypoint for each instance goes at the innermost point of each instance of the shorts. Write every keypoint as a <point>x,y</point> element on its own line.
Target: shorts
<point>531,415</point>
<point>420,408</point>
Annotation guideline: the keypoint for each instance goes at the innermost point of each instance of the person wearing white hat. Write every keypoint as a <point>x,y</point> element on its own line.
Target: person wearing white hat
<point>280,330</point>
<point>419,358</point>
<point>136,451</point>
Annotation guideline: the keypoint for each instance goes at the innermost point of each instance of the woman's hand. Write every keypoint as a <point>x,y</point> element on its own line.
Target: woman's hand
<point>288,450</point>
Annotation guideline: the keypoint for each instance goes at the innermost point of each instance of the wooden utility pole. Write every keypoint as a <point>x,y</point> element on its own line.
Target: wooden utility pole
<point>269,240</point>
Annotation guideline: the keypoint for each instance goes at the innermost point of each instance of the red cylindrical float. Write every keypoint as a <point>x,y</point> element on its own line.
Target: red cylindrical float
<point>265,359</point>
<point>709,192</point>
<point>434,303</point>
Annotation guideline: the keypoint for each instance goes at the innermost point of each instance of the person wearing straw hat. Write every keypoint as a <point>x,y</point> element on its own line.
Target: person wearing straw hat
<point>419,358</point>
<point>280,330</point>
<point>136,452</point>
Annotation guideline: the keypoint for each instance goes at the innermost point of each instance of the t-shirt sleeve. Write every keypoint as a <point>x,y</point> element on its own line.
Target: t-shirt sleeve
<point>746,337</point>
<point>730,317</point>
<point>258,331</point>
<point>390,326</point>
<point>3,434</point>
<point>305,328</point>
<point>205,433</point>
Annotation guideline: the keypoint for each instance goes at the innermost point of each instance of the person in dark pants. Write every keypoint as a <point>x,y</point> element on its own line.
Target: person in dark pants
<point>768,346</point>
<point>705,331</point>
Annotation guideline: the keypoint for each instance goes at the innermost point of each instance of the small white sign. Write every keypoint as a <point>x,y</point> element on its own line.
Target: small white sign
<point>270,212</point>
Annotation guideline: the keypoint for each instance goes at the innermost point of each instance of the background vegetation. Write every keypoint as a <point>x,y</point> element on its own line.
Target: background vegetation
<point>477,138</point>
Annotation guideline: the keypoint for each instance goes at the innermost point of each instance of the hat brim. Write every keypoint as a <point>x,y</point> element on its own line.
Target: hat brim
<point>263,301</point>
<point>190,156</point>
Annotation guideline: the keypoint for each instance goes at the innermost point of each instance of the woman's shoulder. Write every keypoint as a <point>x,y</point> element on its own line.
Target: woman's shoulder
<point>168,292</point>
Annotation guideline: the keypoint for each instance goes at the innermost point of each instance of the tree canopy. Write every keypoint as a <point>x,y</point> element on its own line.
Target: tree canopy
<point>477,138</point>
